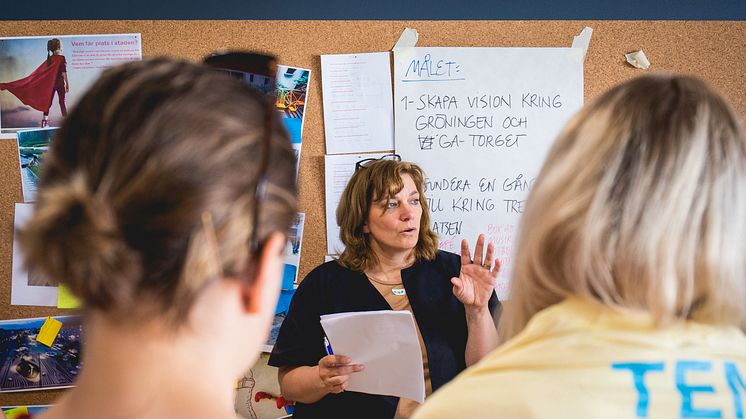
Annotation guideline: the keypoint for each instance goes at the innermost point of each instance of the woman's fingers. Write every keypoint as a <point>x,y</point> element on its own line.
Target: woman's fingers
<point>496,268</point>
<point>465,254</point>
<point>334,371</point>
<point>347,369</point>
<point>334,360</point>
<point>341,370</point>
<point>479,250</point>
<point>478,253</point>
<point>337,380</point>
<point>339,387</point>
<point>489,257</point>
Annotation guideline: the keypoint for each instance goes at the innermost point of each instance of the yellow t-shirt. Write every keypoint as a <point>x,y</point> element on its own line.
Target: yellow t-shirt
<point>579,359</point>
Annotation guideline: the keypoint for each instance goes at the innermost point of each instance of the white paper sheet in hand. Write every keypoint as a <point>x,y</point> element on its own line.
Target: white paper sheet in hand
<point>386,343</point>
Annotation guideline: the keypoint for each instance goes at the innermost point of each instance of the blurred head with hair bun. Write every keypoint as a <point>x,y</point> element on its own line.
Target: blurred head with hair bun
<point>163,205</point>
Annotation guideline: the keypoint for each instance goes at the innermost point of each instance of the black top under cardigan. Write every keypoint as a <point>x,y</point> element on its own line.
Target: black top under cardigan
<point>332,288</point>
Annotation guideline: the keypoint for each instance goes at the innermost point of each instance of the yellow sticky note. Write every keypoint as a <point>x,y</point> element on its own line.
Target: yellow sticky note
<point>15,412</point>
<point>65,299</point>
<point>48,332</point>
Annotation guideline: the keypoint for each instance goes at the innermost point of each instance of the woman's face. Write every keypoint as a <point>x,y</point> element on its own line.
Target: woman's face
<point>394,224</point>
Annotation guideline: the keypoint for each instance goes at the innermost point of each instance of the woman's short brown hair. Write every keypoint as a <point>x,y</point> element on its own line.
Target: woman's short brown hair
<point>148,191</point>
<point>370,184</point>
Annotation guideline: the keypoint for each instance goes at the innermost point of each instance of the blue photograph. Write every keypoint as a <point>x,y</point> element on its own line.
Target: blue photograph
<point>29,365</point>
<point>32,147</point>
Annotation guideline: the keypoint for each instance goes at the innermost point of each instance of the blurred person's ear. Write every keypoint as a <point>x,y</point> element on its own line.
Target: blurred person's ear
<point>261,294</point>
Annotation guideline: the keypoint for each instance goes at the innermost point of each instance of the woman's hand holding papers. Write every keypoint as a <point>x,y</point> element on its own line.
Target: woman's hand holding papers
<point>335,370</point>
<point>306,384</point>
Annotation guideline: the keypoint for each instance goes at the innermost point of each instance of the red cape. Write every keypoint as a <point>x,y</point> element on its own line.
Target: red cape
<point>37,89</point>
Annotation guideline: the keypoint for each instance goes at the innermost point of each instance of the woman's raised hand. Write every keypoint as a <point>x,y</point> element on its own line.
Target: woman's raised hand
<point>474,286</point>
<point>335,370</point>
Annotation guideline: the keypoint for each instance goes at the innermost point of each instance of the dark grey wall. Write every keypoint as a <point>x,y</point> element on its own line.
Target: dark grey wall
<point>375,9</point>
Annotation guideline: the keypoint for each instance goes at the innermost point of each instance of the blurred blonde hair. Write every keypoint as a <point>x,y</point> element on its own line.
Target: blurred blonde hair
<point>370,184</point>
<point>641,203</point>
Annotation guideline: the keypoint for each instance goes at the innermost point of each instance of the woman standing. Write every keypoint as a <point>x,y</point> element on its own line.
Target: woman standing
<point>391,261</point>
<point>61,85</point>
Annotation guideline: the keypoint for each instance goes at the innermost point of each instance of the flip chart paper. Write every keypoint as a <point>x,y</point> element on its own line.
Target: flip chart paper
<point>480,122</point>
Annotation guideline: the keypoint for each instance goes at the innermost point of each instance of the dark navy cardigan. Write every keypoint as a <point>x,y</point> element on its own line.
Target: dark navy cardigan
<point>331,288</point>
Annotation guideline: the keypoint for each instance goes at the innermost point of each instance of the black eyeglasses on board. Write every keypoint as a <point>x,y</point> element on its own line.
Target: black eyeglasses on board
<point>365,162</point>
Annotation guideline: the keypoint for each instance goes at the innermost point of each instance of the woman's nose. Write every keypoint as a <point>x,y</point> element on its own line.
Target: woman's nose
<point>406,212</point>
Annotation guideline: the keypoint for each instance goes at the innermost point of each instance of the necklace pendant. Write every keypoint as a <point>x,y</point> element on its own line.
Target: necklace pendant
<point>398,291</point>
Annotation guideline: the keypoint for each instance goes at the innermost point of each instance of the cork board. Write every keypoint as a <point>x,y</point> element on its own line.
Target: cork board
<point>715,51</point>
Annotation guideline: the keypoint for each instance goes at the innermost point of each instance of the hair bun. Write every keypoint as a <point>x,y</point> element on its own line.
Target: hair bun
<point>81,243</point>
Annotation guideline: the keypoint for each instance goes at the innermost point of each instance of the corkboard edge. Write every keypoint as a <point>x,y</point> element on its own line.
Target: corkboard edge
<point>712,50</point>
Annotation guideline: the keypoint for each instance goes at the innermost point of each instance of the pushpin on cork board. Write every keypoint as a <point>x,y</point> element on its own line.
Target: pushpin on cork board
<point>638,59</point>
<point>48,332</point>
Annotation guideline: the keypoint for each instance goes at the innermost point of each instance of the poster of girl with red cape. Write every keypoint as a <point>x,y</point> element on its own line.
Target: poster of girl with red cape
<point>38,88</point>
<point>38,83</point>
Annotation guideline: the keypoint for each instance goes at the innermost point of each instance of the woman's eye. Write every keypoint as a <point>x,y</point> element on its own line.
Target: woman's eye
<point>416,201</point>
<point>392,205</point>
